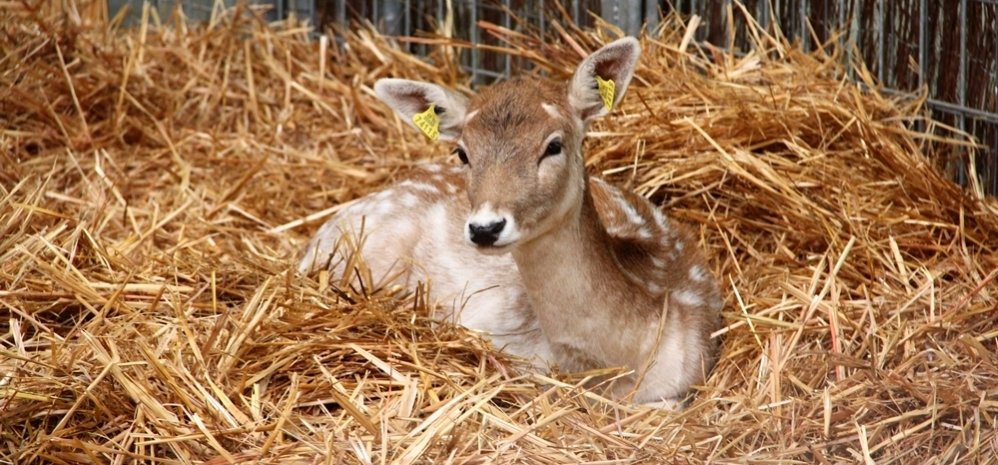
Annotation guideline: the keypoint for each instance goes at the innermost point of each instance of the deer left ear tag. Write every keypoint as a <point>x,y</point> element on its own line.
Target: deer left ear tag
<point>606,89</point>
<point>428,122</point>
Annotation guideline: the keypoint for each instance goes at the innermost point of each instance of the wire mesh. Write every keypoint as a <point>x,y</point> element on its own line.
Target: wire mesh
<point>948,47</point>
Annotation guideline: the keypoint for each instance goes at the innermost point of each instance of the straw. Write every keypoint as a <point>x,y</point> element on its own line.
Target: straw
<point>159,182</point>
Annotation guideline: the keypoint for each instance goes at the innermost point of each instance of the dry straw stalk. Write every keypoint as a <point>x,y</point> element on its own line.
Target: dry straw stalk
<point>158,182</point>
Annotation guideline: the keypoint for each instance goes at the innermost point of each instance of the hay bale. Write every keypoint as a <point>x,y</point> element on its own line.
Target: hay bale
<point>157,184</point>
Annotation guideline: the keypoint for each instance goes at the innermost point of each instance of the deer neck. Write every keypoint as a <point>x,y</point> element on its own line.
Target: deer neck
<point>570,271</point>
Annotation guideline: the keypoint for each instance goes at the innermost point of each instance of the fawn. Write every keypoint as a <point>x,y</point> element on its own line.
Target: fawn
<point>520,243</point>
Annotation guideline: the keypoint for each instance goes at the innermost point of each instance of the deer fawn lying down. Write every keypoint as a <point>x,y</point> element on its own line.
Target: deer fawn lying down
<point>522,244</point>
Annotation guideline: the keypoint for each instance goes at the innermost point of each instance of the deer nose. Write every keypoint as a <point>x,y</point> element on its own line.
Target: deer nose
<point>486,234</point>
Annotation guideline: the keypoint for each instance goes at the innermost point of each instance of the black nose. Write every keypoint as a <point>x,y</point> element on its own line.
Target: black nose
<point>486,234</point>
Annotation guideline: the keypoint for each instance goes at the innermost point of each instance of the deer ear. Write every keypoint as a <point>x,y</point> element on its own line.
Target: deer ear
<point>602,79</point>
<point>437,112</point>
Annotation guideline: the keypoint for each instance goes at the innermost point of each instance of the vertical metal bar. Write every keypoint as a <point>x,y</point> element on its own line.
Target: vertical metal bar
<point>923,49</point>
<point>994,159</point>
<point>407,18</point>
<point>826,13</point>
<point>695,10</point>
<point>839,22</point>
<point>772,8</point>
<point>961,91</point>
<point>651,16</point>
<point>692,10</point>
<point>961,86</point>
<point>805,38</point>
<point>542,21</point>
<point>341,12</point>
<point>440,14</point>
<point>923,41</point>
<point>840,25</point>
<point>854,38</point>
<point>781,18</point>
<point>762,14</point>
<point>608,10</point>
<point>392,16</point>
<point>313,18</point>
<point>506,22</point>
<point>729,35</point>
<point>476,60</point>
<point>634,15</point>
<point>311,15</point>
<point>878,11</point>
<point>575,12</point>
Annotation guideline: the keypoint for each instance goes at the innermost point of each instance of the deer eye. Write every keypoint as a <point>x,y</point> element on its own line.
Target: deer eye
<point>554,148</point>
<point>461,154</point>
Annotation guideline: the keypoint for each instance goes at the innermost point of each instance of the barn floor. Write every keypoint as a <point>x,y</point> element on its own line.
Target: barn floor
<point>158,183</point>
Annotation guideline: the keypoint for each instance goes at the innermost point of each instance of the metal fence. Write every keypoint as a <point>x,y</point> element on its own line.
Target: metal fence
<point>949,47</point>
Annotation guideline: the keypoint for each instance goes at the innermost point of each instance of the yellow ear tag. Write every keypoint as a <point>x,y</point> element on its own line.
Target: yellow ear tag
<point>606,90</point>
<point>428,122</point>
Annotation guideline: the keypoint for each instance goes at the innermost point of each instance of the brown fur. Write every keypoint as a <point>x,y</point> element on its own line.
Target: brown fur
<point>626,269</point>
<point>597,276</point>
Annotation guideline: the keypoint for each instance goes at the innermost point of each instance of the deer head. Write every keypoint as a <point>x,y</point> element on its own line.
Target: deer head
<point>521,141</point>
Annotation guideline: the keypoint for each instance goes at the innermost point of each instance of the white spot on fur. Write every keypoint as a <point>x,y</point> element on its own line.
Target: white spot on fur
<point>438,217</point>
<point>551,110</point>
<point>405,229</point>
<point>409,200</point>
<point>698,274</point>
<point>632,213</point>
<point>433,167</point>
<point>644,233</point>
<point>658,262</point>
<point>468,118</point>
<point>382,208</point>
<point>615,229</point>
<point>419,186</point>
<point>660,218</point>
<point>688,297</point>
<point>655,288</point>
<point>680,246</point>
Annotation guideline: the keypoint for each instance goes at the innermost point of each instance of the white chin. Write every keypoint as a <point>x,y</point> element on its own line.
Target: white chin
<point>496,249</point>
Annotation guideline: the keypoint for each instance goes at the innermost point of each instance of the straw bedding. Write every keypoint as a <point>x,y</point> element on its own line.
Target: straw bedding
<point>158,183</point>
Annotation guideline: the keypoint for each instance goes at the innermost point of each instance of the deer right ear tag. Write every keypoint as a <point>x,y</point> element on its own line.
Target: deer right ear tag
<point>428,122</point>
<point>606,90</point>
